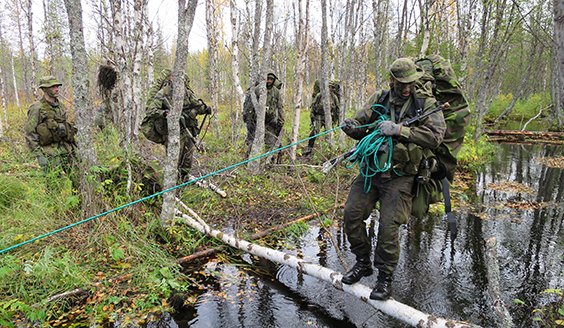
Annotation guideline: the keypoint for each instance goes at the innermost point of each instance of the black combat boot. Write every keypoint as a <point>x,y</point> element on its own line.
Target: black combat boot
<point>362,268</point>
<point>382,290</point>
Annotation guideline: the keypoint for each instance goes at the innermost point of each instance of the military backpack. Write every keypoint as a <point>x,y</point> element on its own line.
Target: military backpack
<point>446,88</point>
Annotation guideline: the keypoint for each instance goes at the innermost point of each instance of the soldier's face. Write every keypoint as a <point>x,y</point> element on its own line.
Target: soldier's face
<point>403,90</point>
<point>269,80</point>
<point>52,92</point>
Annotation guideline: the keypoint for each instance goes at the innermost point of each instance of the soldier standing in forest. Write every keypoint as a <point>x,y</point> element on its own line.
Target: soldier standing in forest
<point>154,125</point>
<point>49,134</point>
<point>393,187</point>
<point>317,114</point>
<point>273,118</point>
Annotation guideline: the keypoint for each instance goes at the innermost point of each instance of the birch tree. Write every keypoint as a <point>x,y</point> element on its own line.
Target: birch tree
<point>302,43</point>
<point>558,10</point>
<point>235,24</point>
<point>82,111</point>
<point>260,104</point>
<point>212,18</point>
<point>324,80</point>
<point>33,70</point>
<point>186,12</point>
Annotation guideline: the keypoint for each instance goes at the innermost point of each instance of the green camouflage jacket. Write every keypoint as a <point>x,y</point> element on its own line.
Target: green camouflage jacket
<point>48,129</point>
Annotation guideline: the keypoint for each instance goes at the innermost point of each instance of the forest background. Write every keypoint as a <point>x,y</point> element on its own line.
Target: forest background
<point>508,55</point>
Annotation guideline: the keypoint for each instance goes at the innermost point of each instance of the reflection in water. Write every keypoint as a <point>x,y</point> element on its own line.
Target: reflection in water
<point>516,199</point>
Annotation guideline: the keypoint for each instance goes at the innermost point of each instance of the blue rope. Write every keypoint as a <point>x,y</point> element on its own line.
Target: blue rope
<point>162,192</point>
<point>368,148</point>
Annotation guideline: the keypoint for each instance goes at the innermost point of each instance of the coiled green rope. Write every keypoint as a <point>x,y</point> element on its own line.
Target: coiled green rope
<point>367,149</point>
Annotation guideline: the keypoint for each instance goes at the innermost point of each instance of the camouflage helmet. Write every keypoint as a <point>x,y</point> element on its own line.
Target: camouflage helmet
<point>48,81</point>
<point>404,70</point>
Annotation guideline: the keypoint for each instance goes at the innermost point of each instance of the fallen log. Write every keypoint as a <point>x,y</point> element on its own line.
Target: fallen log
<point>212,251</point>
<point>503,316</point>
<point>204,184</point>
<point>512,135</point>
<point>391,307</point>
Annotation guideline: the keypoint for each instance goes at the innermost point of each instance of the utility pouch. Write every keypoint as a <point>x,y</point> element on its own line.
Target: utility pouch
<point>400,157</point>
<point>415,156</point>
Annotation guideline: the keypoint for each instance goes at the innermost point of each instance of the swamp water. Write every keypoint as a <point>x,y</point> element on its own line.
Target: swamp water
<point>517,200</point>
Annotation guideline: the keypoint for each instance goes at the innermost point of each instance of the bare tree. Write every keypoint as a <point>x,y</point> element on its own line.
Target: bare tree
<point>29,14</point>
<point>82,111</point>
<point>186,12</point>
<point>558,8</point>
<point>260,104</point>
<point>212,19</point>
<point>302,44</point>
<point>235,61</point>
<point>324,80</point>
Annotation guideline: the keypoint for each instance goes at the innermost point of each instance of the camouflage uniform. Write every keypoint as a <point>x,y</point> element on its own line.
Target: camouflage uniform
<point>393,190</point>
<point>157,109</point>
<point>274,116</point>
<point>317,114</point>
<point>49,134</point>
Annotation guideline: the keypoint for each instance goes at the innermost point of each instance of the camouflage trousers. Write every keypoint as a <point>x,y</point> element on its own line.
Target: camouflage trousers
<point>318,121</point>
<point>394,194</point>
<point>271,135</point>
<point>185,156</point>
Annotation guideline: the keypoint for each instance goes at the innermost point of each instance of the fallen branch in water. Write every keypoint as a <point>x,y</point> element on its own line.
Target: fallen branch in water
<point>204,184</point>
<point>391,307</point>
<point>492,264</point>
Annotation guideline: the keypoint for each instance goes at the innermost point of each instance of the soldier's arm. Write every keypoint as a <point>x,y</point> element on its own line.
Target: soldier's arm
<point>364,116</point>
<point>430,132</point>
<point>156,105</point>
<point>31,135</point>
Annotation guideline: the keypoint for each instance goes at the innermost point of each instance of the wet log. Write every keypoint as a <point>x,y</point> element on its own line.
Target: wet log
<point>391,307</point>
<point>204,184</point>
<point>511,135</point>
<point>503,316</point>
<point>212,251</point>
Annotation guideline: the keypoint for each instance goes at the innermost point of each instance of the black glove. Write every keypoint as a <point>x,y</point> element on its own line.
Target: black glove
<point>389,128</point>
<point>348,125</point>
<point>207,110</point>
<point>165,113</point>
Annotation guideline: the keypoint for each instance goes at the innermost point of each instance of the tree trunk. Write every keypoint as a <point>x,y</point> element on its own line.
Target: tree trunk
<point>558,8</point>
<point>258,143</point>
<point>301,49</point>
<point>139,10</point>
<point>324,80</point>
<point>212,19</point>
<point>33,84</point>
<point>235,63</point>
<point>18,8</point>
<point>82,110</point>
<point>14,80</point>
<point>186,12</point>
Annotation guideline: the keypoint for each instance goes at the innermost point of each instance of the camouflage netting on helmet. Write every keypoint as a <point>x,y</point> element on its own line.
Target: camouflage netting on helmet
<point>107,78</point>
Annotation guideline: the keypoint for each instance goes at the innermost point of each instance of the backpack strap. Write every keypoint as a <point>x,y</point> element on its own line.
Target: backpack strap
<point>383,100</point>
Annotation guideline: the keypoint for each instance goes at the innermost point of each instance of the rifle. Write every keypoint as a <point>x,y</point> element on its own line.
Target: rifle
<point>327,166</point>
<point>330,164</point>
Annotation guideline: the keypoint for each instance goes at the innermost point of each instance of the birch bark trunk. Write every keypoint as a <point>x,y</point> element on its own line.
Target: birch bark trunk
<point>301,49</point>
<point>558,7</point>
<point>81,84</point>
<point>324,80</point>
<point>258,144</point>
<point>235,59</point>
<point>186,12</point>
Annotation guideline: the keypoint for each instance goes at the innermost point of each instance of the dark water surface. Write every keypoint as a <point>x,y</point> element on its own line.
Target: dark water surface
<point>516,199</point>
